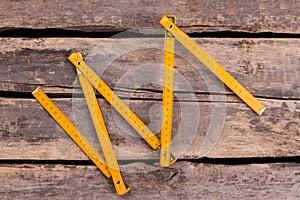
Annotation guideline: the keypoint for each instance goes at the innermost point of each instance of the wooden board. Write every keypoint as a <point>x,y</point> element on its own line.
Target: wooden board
<point>184,180</point>
<point>193,16</point>
<point>269,68</point>
<point>28,132</point>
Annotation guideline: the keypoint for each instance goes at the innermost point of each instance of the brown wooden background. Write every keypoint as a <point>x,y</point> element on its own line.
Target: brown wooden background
<point>256,157</point>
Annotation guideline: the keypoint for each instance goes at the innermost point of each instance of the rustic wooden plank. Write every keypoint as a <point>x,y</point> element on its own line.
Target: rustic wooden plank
<point>28,132</point>
<point>267,67</point>
<point>195,16</point>
<point>184,180</point>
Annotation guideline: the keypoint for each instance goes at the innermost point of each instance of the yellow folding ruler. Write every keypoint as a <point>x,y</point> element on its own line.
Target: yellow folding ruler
<point>116,102</point>
<point>110,170</point>
<point>167,100</point>
<point>103,136</point>
<point>212,65</point>
<point>71,130</point>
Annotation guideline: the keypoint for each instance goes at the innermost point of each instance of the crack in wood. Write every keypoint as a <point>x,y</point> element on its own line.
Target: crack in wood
<point>64,33</point>
<point>154,162</point>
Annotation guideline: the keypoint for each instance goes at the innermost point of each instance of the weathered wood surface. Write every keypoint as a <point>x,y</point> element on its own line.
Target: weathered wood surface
<point>28,132</point>
<point>184,180</point>
<point>267,67</point>
<point>193,16</point>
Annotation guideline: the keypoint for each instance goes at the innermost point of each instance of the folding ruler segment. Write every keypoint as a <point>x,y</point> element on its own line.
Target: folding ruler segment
<point>213,66</point>
<point>167,100</point>
<point>103,136</point>
<point>116,102</point>
<point>71,130</point>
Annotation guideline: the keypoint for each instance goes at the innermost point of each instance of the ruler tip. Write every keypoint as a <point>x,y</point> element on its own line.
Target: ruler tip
<point>164,18</point>
<point>124,192</point>
<point>262,110</point>
<point>36,90</point>
<point>79,54</point>
<point>74,54</point>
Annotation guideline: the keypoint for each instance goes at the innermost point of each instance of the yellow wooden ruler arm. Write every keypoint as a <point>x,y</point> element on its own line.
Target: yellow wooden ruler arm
<point>167,100</point>
<point>71,130</point>
<point>114,100</point>
<point>213,66</point>
<point>103,136</point>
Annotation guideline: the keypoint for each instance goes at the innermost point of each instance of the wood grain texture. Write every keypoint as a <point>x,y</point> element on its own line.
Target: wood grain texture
<point>194,16</point>
<point>184,180</point>
<point>266,67</point>
<point>28,132</point>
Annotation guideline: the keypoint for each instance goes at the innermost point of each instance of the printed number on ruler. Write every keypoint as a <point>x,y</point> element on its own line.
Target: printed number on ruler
<point>71,130</point>
<point>213,66</point>
<point>103,136</point>
<point>167,102</point>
